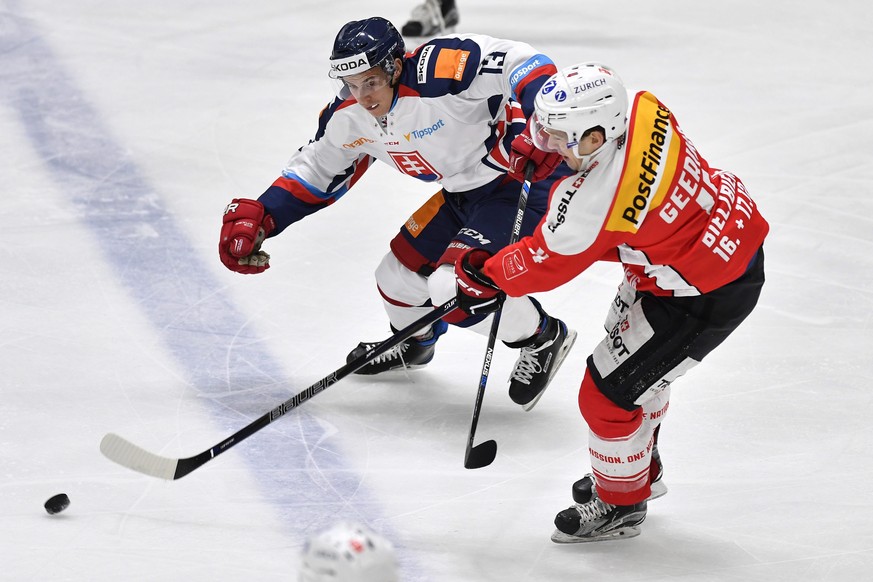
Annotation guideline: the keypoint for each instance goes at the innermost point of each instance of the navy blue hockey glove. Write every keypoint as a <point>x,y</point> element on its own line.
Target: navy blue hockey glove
<point>476,293</point>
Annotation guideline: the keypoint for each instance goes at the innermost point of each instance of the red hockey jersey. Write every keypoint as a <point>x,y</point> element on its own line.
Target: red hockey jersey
<point>679,226</point>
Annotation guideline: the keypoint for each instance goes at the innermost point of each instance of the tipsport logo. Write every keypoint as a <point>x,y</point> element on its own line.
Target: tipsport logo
<point>522,71</point>
<point>425,132</point>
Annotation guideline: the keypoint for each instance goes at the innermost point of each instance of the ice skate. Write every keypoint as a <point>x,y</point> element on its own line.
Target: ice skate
<point>539,361</point>
<point>407,355</point>
<point>431,18</point>
<point>596,521</point>
<point>656,471</point>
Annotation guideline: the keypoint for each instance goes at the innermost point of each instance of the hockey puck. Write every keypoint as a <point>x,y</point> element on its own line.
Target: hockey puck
<point>57,504</point>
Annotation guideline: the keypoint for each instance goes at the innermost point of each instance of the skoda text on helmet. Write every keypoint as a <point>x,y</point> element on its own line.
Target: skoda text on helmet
<point>582,97</point>
<point>361,45</point>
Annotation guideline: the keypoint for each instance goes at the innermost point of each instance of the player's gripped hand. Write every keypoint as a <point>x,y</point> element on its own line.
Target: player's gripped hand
<point>244,227</point>
<point>476,293</point>
<point>524,151</point>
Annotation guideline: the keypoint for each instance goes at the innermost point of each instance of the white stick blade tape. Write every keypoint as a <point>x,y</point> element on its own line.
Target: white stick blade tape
<point>129,455</point>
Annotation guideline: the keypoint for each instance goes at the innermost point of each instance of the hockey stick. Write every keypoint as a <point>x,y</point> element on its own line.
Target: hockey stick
<point>484,453</point>
<point>129,455</point>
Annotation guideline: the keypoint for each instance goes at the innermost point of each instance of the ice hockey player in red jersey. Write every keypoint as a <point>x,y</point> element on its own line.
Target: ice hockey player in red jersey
<point>689,238</point>
<point>445,113</point>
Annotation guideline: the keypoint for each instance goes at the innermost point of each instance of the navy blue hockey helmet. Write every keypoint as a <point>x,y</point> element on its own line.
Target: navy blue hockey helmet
<point>364,44</point>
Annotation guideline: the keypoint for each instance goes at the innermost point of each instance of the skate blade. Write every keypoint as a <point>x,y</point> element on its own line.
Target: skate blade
<point>562,354</point>
<point>658,490</point>
<point>390,372</point>
<point>628,532</point>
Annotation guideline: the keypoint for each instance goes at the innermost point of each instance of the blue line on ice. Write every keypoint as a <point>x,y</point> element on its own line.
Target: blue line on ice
<point>146,248</point>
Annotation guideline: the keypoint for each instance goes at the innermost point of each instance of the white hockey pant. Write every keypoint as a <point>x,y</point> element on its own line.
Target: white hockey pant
<point>403,292</point>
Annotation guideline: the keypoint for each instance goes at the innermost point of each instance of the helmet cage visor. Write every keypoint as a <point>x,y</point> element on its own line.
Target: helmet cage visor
<point>547,139</point>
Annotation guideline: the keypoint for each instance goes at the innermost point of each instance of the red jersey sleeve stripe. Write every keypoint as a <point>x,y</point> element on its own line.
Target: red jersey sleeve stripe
<point>299,191</point>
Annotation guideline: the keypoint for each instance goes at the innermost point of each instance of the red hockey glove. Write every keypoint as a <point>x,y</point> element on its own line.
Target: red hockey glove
<point>246,224</point>
<point>524,151</point>
<point>476,293</point>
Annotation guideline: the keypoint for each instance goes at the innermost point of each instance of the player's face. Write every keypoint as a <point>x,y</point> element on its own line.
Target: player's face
<point>558,141</point>
<point>372,90</point>
<point>551,140</point>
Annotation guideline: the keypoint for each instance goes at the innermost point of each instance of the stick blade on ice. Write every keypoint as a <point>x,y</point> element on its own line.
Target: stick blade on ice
<point>481,455</point>
<point>127,454</point>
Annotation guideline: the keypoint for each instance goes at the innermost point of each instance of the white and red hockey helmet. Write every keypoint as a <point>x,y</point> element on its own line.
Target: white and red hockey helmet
<point>581,97</point>
<point>348,552</point>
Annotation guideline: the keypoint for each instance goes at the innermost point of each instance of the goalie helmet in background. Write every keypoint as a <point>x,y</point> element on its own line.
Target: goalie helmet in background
<point>579,98</point>
<point>348,552</point>
<point>363,44</point>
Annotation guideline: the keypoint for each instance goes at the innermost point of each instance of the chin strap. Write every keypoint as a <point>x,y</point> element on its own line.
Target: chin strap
<point>587,160</point>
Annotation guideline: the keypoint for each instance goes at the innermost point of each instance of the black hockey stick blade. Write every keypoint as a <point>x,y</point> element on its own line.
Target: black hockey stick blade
<point>127,454</point>
<point>484,454</point>
<point>481,455</point>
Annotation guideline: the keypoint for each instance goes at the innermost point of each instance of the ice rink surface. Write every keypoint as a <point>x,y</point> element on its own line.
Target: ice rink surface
<point>125,128</point>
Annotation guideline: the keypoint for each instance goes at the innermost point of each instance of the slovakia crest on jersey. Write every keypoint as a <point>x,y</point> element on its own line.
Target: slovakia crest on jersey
<point>414,164</point>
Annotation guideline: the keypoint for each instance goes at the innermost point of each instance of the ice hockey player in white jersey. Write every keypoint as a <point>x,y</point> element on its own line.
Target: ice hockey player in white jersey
<point>446,113</point>
<point>689,238</point>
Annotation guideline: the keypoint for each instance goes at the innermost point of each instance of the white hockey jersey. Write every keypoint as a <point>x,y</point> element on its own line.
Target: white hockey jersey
<point>459,103</point>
